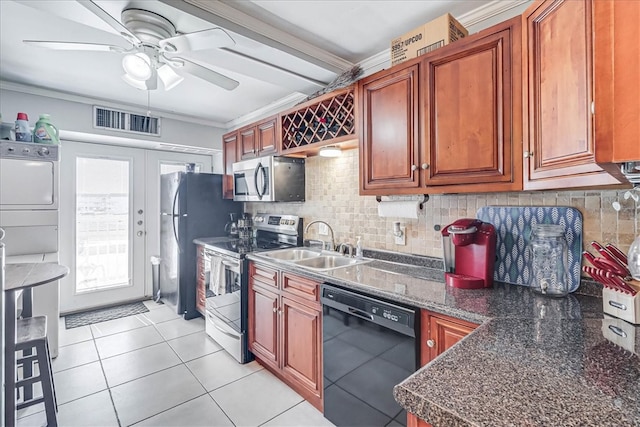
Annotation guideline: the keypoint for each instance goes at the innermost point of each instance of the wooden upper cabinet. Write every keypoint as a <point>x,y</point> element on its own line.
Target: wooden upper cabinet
<point>266,132</point>
<point>558,81</point>
<point>247,142</point>
<point>230,155</point>
<point>617,80</point>
<point>473,122</point>
<point>389,131</point>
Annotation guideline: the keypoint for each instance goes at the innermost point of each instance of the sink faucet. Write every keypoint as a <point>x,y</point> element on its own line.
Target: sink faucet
<point>343,246</point>
<point>332,243</point>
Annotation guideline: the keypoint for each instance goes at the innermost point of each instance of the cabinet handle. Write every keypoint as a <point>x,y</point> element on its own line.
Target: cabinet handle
<point>414,167</point>
<point>275,309</point>
<point>431,343</point>
<point>528,154</point>
<point>279,312</point>
<point>425,166</point>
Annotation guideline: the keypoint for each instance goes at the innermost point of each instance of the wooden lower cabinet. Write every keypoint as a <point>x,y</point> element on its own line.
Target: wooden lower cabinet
<point>201,281</point>
<point>438,333</point>
<point>285,329</point>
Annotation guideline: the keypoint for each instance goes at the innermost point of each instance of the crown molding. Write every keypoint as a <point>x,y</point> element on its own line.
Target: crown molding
<point>268,110</point>
<point>234,20</point>
<point>488,11</point>
<point>67,96</point>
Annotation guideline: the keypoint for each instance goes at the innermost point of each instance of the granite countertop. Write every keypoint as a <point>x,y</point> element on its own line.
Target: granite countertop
<point>533,360</point>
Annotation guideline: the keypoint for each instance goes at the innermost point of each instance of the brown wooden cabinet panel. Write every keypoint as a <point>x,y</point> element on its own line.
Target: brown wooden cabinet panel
<point>263,323</point>
<point>201,281</point>
<point>472,95</point>
<point>559,81</point>
<point>389,131</point>
<point>617,80</point>
<point>439,333</point>
<point>302,345</point>
<point>247,142</point>
<point>230,155</point>
<point>285,328</point>
<point>266,132</point>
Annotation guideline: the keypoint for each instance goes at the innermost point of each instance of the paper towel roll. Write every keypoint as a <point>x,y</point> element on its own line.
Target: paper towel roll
<point>399,208</point>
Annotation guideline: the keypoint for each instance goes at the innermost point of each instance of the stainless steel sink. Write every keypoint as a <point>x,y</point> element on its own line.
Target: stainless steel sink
<point>293,254</point>
<point>312,259</point>
<point>328,262</point>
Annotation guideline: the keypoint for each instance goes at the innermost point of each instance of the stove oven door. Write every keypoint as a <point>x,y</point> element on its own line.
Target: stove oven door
<point>224,308</point>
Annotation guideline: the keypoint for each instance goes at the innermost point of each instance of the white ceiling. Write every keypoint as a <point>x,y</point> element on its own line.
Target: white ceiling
<point>283,48</point>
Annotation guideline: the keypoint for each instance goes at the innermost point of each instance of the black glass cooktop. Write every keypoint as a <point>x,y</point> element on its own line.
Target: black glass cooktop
<point>242,246</point>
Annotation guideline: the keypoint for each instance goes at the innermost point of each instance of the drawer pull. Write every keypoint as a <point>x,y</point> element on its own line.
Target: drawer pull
<point>618,305</point>
<point>431,343</point>
<point>618,331</point>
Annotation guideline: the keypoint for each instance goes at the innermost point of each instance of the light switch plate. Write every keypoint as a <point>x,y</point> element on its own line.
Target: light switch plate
<point>323,229</point>
<point>402,240</point>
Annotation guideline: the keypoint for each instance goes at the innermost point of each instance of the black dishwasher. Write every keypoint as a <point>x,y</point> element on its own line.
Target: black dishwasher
<point>369,346</point>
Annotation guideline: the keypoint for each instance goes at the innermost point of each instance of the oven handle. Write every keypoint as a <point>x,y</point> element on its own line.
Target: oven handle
<point>211,317</point>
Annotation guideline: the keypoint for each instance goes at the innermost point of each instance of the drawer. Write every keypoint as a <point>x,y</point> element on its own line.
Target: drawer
<point>264,275</point>
<point>300,287</point>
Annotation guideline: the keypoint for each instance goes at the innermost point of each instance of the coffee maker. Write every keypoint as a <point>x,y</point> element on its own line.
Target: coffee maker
<point>469,253</point>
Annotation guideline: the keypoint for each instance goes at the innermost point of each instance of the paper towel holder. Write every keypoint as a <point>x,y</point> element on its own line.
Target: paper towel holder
<point>425,199</point>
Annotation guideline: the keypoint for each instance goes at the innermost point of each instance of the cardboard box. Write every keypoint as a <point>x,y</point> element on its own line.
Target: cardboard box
<point>426,38</point>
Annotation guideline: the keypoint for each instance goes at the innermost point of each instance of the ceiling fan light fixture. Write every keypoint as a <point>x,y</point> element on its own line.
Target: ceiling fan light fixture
<point>170,78</point>
<point>137,66</point>
<point>138,84</point>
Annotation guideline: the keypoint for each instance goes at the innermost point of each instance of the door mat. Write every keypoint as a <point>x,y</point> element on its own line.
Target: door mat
<point>103,314</point>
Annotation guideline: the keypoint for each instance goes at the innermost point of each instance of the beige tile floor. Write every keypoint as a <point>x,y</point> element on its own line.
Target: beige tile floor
<point>157,369</point>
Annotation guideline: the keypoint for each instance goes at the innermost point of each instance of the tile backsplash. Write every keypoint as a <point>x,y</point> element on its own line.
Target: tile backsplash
<point>332,196</point>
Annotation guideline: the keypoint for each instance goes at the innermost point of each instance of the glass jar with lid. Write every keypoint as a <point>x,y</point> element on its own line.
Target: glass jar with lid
<point>548,255</point>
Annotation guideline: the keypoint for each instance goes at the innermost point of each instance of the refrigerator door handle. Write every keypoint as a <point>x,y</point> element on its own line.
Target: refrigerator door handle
<point>173,221</point>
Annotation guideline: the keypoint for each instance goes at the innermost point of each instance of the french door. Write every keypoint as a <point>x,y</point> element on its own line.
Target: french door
<point>110,220</point>
<point>102,225</point>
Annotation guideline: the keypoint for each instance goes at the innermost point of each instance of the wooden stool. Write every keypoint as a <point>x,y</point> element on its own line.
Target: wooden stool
<point>32,335</point>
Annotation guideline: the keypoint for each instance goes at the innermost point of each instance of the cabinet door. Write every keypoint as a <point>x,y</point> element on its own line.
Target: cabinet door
<point>439,333</point>
<point>263,323</point>
<point>266,132</point>
<point>389,141</point>
<point>473,120</point>
<point>617,76</point>
<point>302,347</point>
<point>247,141</point>
<point>230,155</point>
<point>558,82</point>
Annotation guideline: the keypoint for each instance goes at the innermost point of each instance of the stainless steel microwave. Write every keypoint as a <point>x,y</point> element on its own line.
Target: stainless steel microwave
<point>269,179</point>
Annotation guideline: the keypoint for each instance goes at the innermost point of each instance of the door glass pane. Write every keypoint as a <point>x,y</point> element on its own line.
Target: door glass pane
<point>102,224</point>
<point>169,167</point>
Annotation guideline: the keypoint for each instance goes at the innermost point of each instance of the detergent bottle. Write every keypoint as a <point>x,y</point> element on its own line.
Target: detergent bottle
<point>45,132</point>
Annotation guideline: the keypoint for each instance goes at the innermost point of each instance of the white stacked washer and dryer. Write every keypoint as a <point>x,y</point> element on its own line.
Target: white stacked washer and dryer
<point>29,194</point>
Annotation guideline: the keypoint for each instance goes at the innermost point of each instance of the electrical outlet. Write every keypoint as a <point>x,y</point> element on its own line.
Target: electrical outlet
<point>402,240</point>
<point>323,230</point>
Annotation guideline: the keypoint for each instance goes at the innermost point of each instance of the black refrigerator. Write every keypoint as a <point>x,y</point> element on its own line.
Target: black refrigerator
<point>191,206</point>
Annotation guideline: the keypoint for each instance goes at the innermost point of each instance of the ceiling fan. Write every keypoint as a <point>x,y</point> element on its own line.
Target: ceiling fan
<point>155,43</point>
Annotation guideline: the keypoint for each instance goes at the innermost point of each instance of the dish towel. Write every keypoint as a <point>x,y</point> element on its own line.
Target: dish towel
<point>217,276</point>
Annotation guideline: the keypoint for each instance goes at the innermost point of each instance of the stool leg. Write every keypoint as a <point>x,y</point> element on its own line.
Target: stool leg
<point>27,372</point>
<point>53,384</point>
<point>47,384</point>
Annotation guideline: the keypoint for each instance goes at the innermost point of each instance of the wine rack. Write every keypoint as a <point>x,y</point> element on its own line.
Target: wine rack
<point>327,120</point>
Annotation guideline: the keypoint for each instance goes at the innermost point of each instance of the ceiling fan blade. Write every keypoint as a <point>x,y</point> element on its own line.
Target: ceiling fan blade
<point>199,40</point>
<point>203,73</point>
<point>75,46</point>
<point>114,23</point>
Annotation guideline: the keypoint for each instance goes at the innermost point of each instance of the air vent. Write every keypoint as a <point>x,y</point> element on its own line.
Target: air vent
<point>124,121</point>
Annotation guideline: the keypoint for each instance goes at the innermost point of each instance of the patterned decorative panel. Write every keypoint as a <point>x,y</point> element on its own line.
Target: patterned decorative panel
<point>513,227</point>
